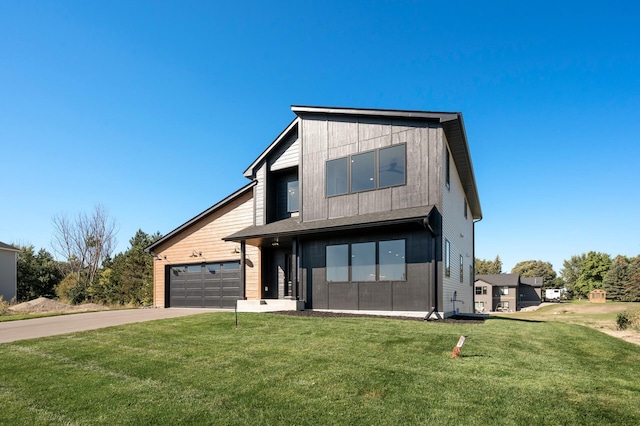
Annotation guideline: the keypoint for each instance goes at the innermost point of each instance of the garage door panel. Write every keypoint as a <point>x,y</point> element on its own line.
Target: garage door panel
<point>212,285</point>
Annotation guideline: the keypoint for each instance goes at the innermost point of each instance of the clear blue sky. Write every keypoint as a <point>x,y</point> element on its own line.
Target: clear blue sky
<point>154,109</point>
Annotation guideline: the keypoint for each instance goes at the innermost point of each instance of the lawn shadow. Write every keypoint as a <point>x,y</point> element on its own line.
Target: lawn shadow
<point>494,318</point>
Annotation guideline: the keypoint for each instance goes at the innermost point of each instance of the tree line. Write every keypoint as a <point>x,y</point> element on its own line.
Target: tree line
<point>88,272</point>
<point>619,276</point>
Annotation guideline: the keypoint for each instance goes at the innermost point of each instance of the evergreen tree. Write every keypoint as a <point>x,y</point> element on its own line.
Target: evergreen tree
<point>617,279</point>
<point>632,289</point>
<point>38,274</point>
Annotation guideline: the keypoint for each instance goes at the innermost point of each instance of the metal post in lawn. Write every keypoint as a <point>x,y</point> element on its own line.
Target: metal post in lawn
<point>236,314</point>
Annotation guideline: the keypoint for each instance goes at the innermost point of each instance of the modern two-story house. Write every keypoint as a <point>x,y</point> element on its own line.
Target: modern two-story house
<point>347,209</point>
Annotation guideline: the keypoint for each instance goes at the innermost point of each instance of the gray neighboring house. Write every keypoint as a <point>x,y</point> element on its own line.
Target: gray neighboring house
<point>8,271</point>
<point>506,292</point>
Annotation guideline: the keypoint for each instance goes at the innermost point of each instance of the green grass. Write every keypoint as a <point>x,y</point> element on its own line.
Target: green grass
<point>295,370</point>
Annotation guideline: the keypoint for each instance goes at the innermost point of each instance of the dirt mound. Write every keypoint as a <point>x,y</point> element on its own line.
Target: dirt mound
<point>44,305</point>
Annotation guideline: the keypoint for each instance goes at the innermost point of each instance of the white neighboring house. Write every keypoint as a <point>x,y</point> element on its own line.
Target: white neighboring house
<point>8,271</point>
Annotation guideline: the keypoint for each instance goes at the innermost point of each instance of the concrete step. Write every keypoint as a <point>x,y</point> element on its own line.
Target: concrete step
<point>270,305</point>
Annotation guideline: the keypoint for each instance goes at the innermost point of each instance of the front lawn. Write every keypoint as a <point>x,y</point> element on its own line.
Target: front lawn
<point>297,370</point>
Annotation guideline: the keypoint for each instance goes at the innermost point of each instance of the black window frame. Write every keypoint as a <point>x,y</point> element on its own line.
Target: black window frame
<point>377,261</point>
<point>376,174</point>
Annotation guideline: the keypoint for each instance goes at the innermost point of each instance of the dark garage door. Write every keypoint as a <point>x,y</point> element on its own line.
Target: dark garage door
<point>210,285</point>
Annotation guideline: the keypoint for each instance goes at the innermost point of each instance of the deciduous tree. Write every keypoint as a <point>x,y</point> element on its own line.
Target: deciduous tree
<point>85,242</point>
<point>536,268</point>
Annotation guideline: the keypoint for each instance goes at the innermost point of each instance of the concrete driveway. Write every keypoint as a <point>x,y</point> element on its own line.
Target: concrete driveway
<point>11,331</point>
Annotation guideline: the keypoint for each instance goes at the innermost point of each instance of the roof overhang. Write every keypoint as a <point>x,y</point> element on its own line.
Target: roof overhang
<point>287,229</point>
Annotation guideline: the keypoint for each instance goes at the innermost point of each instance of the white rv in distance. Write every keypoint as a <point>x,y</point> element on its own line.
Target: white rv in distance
<point>553,294</point>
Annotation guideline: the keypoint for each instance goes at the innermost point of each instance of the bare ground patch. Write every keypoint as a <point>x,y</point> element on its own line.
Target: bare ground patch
<point>43,305</point>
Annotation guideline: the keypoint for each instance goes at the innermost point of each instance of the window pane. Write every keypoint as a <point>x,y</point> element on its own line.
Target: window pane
<point>392,260</point>
<point>478,290</point>
<point>293,197</point>
<point>194,268</point>
<point>213,268</point>
<point>338,263</point>
<point>392,166</point>
<point>447,258</point>
<point>230,266</point>
<point>363,262</point>
<point>337,176</point>
<point>363,171</point>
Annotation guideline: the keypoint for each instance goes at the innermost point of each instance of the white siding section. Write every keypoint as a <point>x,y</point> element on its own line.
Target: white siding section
<point>459,232</point>
<point>288,158</point>
<point>259,196</point>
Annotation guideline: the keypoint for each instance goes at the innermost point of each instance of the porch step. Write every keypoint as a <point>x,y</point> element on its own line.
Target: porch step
<point>270,305</point>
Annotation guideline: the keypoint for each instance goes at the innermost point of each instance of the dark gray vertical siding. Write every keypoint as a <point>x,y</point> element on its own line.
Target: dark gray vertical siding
<point>414,294</point>
<point>324,140</point>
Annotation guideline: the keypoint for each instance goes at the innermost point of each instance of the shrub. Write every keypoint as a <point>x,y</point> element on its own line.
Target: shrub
<point>622,320</point>
<point>4,306</point>
<point>634,320</point>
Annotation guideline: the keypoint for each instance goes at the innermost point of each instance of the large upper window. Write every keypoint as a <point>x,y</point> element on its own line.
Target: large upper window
<point>337,176</point>
<point>357,262</point>
<point>363,171</point>
<point>391,166</point>
<point>357,172</point>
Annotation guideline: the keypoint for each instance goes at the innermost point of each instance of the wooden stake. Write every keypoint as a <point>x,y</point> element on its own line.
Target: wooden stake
<point>456,350</point>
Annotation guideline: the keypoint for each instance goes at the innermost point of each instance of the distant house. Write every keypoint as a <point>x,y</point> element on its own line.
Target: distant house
<point>506,292</point>
<point>347,209</point>
<point>8,271</point>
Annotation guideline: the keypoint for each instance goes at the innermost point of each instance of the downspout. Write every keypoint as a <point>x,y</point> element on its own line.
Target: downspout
<point>427,224</point>
<point>473,283</point>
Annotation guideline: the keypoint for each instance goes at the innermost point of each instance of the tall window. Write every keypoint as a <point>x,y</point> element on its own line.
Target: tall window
<point>447,258</point>
<point>337,176</point>
<point>461,269</point>
<point>392,262</point>
<point>465,208</point>
<point>391,166</point>
<point>363,171</point>
<point>447,168</point>
<point>363,262</point>
<point>338,263</point>
<point>357,262</point>
<point>293,197</point>
<point>504,291</point>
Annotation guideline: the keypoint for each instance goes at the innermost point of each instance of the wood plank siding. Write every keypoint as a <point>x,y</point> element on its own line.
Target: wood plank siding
<point>204,238</point>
